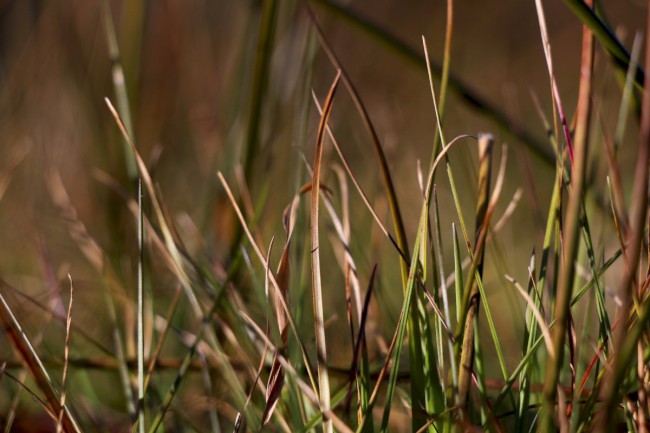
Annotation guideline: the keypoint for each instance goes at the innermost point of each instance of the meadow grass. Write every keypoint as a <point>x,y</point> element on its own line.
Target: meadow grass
<point>234,343</point>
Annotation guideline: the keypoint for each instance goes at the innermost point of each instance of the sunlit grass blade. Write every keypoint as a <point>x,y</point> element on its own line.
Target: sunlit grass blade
<point>358,187</point>
<point>416,360</point>
<point>409,297</point>
<point>379,152</point>
<point>317,290</point>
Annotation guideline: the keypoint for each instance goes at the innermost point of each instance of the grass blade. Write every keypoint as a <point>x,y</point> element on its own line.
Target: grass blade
<point>635,239</point>
<point>455,84</point>
<point>317,291</point>
<point>140,297</point>
<point>33,363</point>
<point>471,305</point>
<point>570,242</point>
<point>119,86</point>
<point>66,357</point>
<point>606,37</point>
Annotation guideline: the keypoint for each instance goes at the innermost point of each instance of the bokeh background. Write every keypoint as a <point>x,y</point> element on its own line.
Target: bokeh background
<point>188,66</point>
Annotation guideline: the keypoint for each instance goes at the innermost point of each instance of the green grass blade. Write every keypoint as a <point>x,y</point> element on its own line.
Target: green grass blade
<point>119,87</point>
<point>607,38</point>
<point>260,81</point>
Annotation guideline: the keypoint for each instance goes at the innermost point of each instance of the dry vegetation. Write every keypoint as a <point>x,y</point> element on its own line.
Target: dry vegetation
<point>281,216</point>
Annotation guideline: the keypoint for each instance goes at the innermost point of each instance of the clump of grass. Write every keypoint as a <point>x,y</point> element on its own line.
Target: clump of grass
<point>242,333</point>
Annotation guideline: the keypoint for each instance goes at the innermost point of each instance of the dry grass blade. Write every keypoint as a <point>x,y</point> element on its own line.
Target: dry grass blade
<point>272,279</point>
<point>317,291</point>
<point>260,368</point>
<point>360,190</point>
<point>155,357</point>
<point>381,157</point>
<point>549,63</point>
<point>33,363</point>
<point>623,343</point>
<point>485,144</point>
<point>167,232</point>
<point>66,357</point>
<point>20,382</point>
<point>273,388</point>
<point>571,231</point>
<point>538,315</point>
<point>276,376</point>
<point>360,338</point>
<point>90,249</point>
<point>308,392</point>
<point>97,258</point>
<point>179,268</point>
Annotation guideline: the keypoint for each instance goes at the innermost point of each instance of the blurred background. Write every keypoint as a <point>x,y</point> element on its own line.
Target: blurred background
<point>189,77</point>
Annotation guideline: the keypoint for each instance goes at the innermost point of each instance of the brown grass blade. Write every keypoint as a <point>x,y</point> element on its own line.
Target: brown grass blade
<point>33,363</point>
<point>308,392</point>
<point>155,357</point>
<point>571,229</point>
<point>167,233</point>
<point>273,388</point>
<point>276,376</point>
<point>358,187</point>
<point>260,368</point>
<point>317,290</point>
<point>360,338</point>
<point>485,145</point>
<point>66,357</point>
<point>554,89</point>
<point>635,238</point>
<point>97,258</point>
<point>381,157</point>
<point>272,279</point>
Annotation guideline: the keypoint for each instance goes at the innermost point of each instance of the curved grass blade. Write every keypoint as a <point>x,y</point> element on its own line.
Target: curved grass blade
<point>317,290</point>
<point>414,271</point>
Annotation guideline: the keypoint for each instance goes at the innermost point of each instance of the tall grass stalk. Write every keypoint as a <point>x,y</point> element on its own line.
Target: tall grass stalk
<point>317,291</point>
